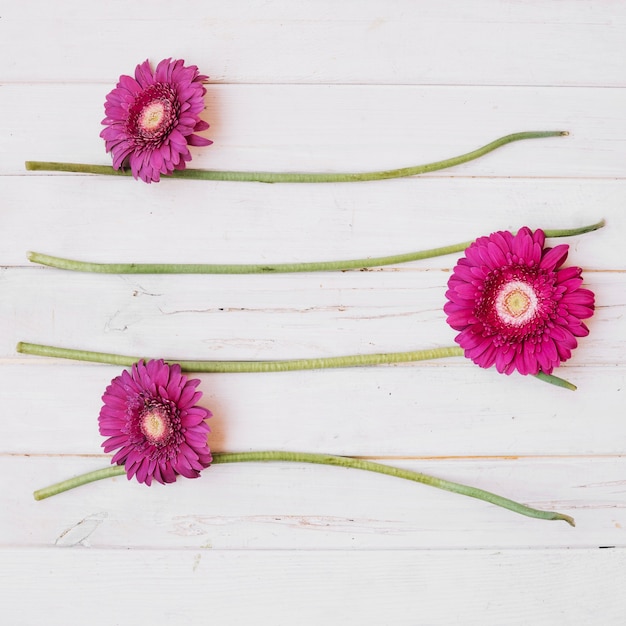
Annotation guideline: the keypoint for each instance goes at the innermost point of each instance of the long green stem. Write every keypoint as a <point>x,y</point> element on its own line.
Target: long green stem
<point>303,177</point>
<point>327,459</point>
<point>320,266</point>
<point>288,365</point>
<point>241,367</point>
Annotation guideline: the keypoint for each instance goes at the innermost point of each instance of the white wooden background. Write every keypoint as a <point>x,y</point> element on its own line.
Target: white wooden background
<point>337,86</point>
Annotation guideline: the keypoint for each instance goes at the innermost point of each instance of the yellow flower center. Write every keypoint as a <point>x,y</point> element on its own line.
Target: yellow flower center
<point>156,425</point>
<point>152,115</point>
<point>516,303</point>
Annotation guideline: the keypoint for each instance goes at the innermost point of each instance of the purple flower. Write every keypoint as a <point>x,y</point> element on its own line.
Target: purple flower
<point>151,418</point>
<point>513,305</point>
<point>151,119</point>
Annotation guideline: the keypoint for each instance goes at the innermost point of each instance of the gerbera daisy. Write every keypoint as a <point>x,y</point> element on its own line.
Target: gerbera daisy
<point>150,416</point>
<point>151,119</point>
<point>513,305</point>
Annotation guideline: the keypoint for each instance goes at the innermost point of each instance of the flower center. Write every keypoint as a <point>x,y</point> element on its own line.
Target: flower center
<point>155,424</point>
<point>153,115</point>
<point>516,303</point>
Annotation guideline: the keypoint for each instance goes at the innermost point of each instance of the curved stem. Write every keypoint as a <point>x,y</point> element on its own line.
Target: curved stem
<point>266,268</point>
<point>319,266</point>
<point>288,365</point>
<point>240,367</point>
<point>337,461</point>
<point>302,177</point>
<point>77,481</point>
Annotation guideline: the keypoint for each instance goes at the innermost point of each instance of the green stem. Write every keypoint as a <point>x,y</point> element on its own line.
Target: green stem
<point>288,365</point>
<point>555,380</point>
<point>241,367</point>
<point>327,459</point>
<point>77,481</point>
<point>302,177</point>
<point>320,266</point>
<point>206,268</point>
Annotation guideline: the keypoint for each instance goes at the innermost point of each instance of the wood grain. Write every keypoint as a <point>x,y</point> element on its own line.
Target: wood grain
<point>343,128</point>
<point>355,41</point>
<point>399,587</point>
<point>314,86</point>
<point>303,507</point>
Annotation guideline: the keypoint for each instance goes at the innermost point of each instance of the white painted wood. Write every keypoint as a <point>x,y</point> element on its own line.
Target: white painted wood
<point>420,410</point>
<point>81,217</point>
<point>286,587</point>
<point>448,42</point>
<point>342,128</point>
<point>297,506</point>
<point>314,86</point>
<point>261,317</point>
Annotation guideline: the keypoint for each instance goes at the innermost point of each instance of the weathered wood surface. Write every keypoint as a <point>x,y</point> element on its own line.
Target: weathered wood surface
<point>349,86</point>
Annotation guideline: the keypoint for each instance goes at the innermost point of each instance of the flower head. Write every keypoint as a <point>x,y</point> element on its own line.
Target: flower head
<point>513,305</point>
<point>151,418</point>
<point>151,119</point>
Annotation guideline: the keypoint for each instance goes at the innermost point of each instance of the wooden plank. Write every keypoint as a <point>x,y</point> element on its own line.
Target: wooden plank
<point>428,410</point>
<point>284,587</point>
<point>357,85</point>
<point>81,217</point>
<point>360,41</point>
<point>267,317</point>
<point>289,506</point>
<point>342,128</point>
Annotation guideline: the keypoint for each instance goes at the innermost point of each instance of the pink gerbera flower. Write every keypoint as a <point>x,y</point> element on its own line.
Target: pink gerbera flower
<point>150,416</point>
<point>513,305</point>
<point>151,119</point>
